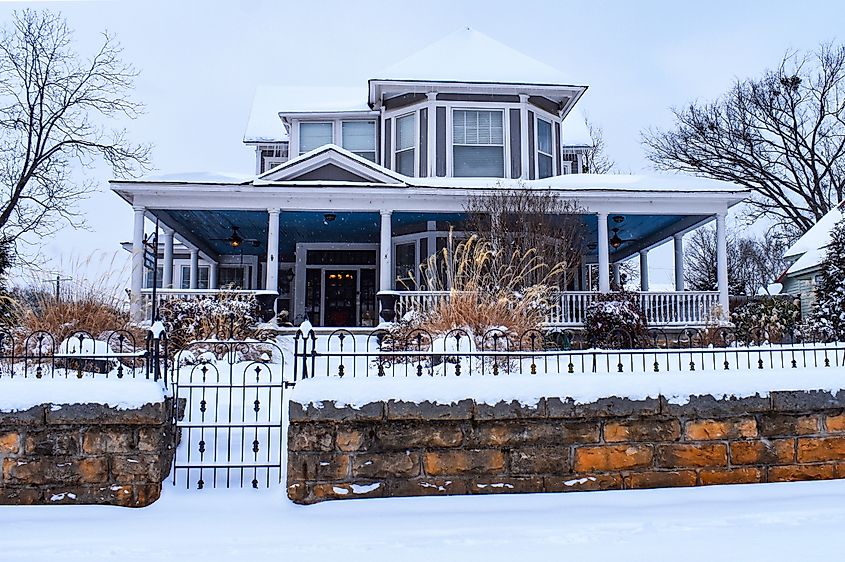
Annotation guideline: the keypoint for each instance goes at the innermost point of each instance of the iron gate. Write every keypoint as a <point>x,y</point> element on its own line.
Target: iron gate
<point>231,430</point>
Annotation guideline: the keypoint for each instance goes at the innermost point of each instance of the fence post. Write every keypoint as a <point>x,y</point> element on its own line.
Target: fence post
<point>157,332</point>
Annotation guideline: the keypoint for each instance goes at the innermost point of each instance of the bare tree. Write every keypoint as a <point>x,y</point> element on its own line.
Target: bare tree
<point>752,262</point>
<point>52,106</point>
<point>522,221</point>
<point>596,159</point>
<point>781,135</point>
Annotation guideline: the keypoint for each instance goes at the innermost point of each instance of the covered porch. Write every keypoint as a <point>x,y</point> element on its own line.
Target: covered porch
<point>324,235</point>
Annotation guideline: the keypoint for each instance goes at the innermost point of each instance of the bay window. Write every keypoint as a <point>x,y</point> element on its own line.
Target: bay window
<point>359,137</point>
<point>544,149</point>
<point>314,135</point>
<point>478,143</point>
<point>405,145</point>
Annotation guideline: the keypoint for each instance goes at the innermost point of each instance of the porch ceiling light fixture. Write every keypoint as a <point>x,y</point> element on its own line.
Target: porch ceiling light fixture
<point>618,219</point>
<point>329,217</point>
<point>616,241</point>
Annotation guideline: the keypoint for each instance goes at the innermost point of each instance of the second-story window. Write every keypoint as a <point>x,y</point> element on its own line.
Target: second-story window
<point>544,149</point>
<point>314,135</point>
<point>405,135</point>
<point>359,137</point>
<point>478,143</point>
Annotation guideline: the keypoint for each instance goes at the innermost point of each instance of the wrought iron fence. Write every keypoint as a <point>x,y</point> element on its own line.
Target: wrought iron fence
<point>118,353</point>
<point>419,353</point>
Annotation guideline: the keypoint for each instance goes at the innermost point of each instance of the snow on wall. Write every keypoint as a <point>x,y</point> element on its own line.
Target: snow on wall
<point>19,394</point>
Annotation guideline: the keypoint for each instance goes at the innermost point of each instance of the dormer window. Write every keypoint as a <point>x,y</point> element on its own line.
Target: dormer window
<point>478,143</point>
<point>359,137</point>
<point>314,135</point>
<point>404,159</point>
<point>544,149</point>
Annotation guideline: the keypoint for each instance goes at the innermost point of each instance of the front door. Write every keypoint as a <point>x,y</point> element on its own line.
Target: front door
<point>341,297</point>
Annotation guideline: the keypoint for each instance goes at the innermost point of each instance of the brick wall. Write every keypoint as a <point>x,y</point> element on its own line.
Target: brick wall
<point>85,454</point>
<point>387,449</point>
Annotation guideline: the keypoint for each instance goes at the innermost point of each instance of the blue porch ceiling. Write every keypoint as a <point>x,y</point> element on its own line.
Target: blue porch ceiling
<point>213,228</point>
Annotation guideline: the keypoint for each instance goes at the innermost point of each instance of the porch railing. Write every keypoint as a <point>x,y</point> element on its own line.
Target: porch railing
<point>569,308</point>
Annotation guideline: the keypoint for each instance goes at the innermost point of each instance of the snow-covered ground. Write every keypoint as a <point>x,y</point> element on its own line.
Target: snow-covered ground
<point>771,522</point>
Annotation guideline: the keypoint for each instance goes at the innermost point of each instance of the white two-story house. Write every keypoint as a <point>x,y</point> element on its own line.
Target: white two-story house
<point>355,187</point>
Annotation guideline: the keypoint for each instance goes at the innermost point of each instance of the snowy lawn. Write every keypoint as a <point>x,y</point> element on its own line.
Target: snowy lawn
<point>772,522</point>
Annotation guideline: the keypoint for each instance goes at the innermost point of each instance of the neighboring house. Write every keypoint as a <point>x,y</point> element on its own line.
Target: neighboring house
<point>355,187</point>
<point>805,257</point>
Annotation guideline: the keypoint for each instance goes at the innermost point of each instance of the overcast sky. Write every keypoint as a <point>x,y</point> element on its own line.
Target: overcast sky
<point>201,61</point>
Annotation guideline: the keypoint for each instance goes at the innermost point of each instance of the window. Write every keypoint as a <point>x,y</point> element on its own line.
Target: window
<point>359,137</point>
<point>405,136</point>
<point>148,281</point>
<point>314,135</point>
<point>478,144</point>
<point>202,277</point>
<point>544,149</point>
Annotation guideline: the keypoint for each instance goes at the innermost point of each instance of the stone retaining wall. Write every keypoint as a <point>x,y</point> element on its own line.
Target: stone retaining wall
<point>85,454</point>
<point>387,449</point>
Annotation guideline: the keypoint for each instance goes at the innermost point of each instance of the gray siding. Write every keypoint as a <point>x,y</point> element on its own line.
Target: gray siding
<point>330,172</point>
<point>531,174</point>
<point>516,136</point>
<point>403,100</point>
<point>441,141</point>
<point>545,104</point>
<point>423,143</point>
<point>556,146</point>
<point>388,147</point>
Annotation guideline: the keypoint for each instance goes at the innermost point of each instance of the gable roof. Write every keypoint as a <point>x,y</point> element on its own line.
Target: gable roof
<point>335,157</point>
<point>810,250</point>
<point>468,55</point>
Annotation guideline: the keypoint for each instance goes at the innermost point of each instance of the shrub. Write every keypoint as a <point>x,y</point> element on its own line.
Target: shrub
<point>224,315</point>
<point>615,320</point>
<point>765,320</point>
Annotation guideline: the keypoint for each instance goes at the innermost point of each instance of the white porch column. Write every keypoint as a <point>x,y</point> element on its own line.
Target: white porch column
<point>523,133</point>
<point>643,270</point>
<point>167,276</point>
<point>722,263</point>
<point>604,257</point>
<point>212,275</point>
<point>195,268</point>
<point>272,282</point>
<point>386,265</point>
<point>679,262</point>
<point>617,276</point>
<point>583,275</point>
<point>136,312</point>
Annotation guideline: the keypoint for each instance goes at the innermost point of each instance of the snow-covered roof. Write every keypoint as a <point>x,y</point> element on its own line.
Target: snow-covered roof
<point>818,237</point>
<point>198,177</point>
<point>575,131</point>
<point>264,123</point>
<point>468,55</point>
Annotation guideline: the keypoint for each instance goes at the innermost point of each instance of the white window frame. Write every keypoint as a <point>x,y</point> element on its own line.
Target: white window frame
<point>415,147</point>
<point>299,151</point>
<point>339,140</point>
<point>505,136</point>
<point>537,152</point>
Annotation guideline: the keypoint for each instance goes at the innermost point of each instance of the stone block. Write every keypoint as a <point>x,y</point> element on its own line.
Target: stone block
<point>766,451</point>
<point>515,433</point>
<point>540,460</point>
<point>612,457</point>
<point>738,475</point>
<point>317,466</point>
<point>311,436</point>
<point>835,423</point>
<point>714,430</point>
<point>22,495</point>
<point>512,410</point>
<point>386,465</point>
<point>350,439</point>
<point>399,410</point>
<point>136,468</point>
<point>428,486</point>
<point>99,441</point>
<point>648,429</point>
<point>52,442</point>
<point>32,416</point>
<point>583,482</point>
<point>707,406</point>
<point>660,479</point>
<point>400,435</point>
<point>150,439</point>
<point>781,425</point>
<point>603,408</point>
<point>821,449</point>
<point>697,455</point>
<point>506,485</point>
<point>794,473</point>
<point>330,411</point>
<point>55,470</point>
<point>297,491</point>
<point>806,400</point>
<point>145,494</point>
<point>10,443</point>
<point>347,490</point>
<point>463,462</point>
<point>103,414</point>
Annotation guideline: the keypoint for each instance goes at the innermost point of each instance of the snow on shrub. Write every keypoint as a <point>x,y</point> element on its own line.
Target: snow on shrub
<point>827,319</point>
<point>765,320</point>
<point>615,320</point>
<point>224,315</point>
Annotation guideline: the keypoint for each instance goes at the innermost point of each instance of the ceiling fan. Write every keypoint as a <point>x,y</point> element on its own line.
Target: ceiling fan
<point>237,241</point>
<point>616,240</point>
